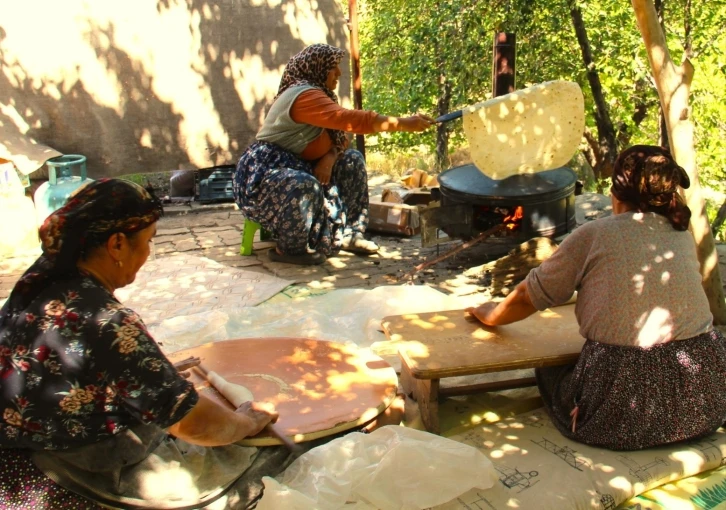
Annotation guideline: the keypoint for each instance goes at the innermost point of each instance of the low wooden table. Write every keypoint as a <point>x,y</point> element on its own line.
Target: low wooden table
<point>437,345</point>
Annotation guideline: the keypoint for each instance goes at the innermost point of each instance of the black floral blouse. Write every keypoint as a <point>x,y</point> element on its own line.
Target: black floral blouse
<point>76,367</point>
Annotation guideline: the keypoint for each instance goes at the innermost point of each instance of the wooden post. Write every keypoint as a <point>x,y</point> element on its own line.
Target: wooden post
<point>360,141</point>
<point>674,84</point>
<point>503,70</point>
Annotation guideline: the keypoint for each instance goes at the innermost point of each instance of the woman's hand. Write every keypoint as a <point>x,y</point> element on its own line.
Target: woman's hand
<point>416,123</point>
<point>515,307</point>
<point>184,365</point>
<point>484,312</point>
<point>213,424</point>
<point>259,413</point>
<point>412,124</point>
<point>324,167</point>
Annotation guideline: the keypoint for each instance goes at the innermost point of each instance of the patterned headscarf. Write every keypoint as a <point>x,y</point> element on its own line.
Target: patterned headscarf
<point>311,67</point>
<point>648,177</point>
<point>90,216</point>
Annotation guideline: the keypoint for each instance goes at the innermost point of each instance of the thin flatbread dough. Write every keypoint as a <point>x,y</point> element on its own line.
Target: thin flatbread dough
<point>530,130</point>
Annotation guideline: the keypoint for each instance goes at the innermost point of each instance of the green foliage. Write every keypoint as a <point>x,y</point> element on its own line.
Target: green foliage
<point>707,92</point>
<point>712,208</point>
<point>407,48</point>
<point>410,49</point>
<point>139,179</point>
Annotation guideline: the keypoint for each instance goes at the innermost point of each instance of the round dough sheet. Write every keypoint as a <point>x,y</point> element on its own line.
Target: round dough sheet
<point>318,387</point>
<point>530,130</point>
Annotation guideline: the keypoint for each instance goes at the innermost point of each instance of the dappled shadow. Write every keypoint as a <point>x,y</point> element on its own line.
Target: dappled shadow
<point>139,88</point>
<point>318,387</point>
<point>449,343</point>
<point>519,446</point>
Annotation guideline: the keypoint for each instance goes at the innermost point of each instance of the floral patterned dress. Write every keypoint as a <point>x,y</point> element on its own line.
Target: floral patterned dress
<point>277,189</point>
<point>76,368</point>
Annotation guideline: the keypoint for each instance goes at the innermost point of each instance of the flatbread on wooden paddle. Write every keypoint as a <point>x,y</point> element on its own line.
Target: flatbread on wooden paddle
<point>530,130</point>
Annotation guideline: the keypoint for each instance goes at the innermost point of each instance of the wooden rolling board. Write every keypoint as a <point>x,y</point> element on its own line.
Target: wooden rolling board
<point>447,344</point>
<point>319,388</point>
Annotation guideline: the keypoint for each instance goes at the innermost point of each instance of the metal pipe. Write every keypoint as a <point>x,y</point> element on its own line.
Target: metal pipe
<point>503,68</point>
<point>468,244</point>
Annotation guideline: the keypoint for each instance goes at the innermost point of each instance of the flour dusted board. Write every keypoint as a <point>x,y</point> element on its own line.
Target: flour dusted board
<point>319,388</point>
<point>446,344</point>
<point>526,131</point>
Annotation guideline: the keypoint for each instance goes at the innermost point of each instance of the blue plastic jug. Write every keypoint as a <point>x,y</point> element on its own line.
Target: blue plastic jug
<point>62,181</point>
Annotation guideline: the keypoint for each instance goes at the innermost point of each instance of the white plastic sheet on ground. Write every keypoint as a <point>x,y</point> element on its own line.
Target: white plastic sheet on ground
<point>344,315</point>
<point>393,468</point>
<point>187,331</point>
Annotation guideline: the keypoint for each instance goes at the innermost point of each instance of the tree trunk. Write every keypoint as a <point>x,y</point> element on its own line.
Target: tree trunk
<point>606,131</point>
<point>593,156</point>
<point>662,127</point>
<point>674,84</point>
<point>442,131</point>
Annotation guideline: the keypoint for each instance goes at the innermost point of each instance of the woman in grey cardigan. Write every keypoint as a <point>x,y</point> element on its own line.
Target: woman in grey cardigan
<point>653,369</point>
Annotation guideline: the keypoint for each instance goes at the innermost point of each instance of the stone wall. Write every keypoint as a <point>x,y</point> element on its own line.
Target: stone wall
<point>152,85</point>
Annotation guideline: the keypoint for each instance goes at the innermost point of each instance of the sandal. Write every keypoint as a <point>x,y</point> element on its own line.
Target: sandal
<point>359,244</point>
<point>304,259</point>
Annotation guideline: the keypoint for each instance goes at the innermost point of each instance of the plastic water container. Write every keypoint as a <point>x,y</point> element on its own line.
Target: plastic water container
<point>66,174</point>
<point>18,230</point>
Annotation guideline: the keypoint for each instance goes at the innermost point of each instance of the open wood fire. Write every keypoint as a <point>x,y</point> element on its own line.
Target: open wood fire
<point>487,217</point>
<point>514,220</point>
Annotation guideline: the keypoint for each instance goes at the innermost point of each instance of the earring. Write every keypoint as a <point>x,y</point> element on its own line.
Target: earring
<point>119,263</point>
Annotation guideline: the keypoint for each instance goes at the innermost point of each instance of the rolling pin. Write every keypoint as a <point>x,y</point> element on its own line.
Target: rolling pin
<point>237,395</point>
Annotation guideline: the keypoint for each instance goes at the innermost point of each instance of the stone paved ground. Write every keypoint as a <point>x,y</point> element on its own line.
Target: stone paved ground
<point>215,232</point>
<point>217,235</point>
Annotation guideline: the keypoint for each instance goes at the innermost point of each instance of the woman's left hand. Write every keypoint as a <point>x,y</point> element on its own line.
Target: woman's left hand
<point>185,364</point>
<point>483,313</point>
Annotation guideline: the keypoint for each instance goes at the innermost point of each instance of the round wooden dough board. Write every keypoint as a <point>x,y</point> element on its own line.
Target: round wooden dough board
<point>319,388</point>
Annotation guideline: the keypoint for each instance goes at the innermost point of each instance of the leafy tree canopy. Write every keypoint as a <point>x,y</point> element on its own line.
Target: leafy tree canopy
<point>408,49</point>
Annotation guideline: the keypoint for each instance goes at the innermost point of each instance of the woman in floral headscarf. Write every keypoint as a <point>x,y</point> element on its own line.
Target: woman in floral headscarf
<point>299,180</point>
<point>84,388</point>
<point>653,368</point>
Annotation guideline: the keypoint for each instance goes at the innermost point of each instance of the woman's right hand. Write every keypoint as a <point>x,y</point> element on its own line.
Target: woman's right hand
<point>259,413</point>
<point>416,123</point>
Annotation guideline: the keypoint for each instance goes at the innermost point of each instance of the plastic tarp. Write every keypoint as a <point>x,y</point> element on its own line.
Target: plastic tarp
<point>393,468</point>
<point>344,315</point>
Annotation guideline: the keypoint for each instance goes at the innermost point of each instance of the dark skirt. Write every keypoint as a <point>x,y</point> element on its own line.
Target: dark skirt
<point>121,472</point>
<point>25,487</point>
<point>631,398</point>
<point>278,190</point>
